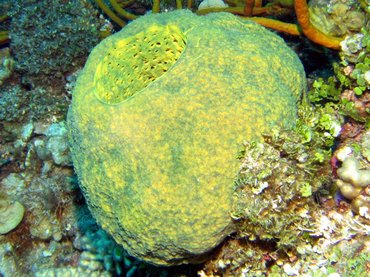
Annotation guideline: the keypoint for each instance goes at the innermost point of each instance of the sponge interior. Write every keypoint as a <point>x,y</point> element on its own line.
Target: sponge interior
<point>135,62</point>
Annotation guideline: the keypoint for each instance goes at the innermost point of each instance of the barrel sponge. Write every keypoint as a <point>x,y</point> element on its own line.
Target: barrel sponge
<point>158,115</point>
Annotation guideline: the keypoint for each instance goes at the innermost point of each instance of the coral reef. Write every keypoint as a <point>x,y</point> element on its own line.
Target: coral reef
<point>60,47</point>
<point>316,235</point>
<point>287,179</point>
<point>161,177</point>
<point>52,232</point>
<point>273,201</point>
<point>295,172</point>
<point>355,64</point>
<point>348,90</point>
<point>55,145</point>
<point>276,187</point>
<point>19,103</point>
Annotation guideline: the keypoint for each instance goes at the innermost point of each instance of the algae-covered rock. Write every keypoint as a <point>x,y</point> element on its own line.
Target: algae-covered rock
<point>11,214</point>
<point>337,17</point>
<point>157,118</point>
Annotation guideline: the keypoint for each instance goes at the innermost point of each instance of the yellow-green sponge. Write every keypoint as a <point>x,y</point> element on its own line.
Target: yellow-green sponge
<point>158,115</point>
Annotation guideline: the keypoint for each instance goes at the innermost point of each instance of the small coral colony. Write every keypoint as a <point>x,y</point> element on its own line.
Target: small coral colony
<point>185,138</point>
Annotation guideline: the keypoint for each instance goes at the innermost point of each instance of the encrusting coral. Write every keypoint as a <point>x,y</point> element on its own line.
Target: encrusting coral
<point>350,172</point>
<point>156,121</point>
<point>353,175</point>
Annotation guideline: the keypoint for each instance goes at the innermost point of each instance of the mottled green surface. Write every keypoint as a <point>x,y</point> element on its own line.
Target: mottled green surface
<point>157,165</point>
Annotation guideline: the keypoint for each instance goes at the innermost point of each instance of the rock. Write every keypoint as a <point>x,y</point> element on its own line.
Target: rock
<point>13,184</point>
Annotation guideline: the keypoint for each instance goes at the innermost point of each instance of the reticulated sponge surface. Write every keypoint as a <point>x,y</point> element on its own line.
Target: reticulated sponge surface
<point>157,118</point>
<point>132,63</point>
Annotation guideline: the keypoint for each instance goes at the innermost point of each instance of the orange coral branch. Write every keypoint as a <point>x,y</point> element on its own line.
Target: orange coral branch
<point>303,16</point>
<point>288,28</point>
<point>258,3</point>
<point>248,8</point>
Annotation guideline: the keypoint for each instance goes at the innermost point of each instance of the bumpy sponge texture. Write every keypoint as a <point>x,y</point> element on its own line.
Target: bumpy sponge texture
<point>156,157</point>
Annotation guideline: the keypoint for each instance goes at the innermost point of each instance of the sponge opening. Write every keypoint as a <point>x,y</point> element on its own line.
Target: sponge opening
<point>133,63</point>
